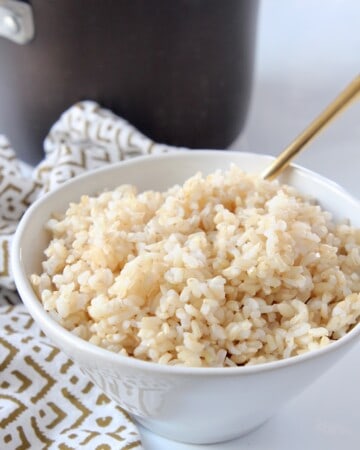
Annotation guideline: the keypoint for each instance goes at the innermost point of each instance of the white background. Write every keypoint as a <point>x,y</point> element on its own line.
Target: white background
<point>307,51</point>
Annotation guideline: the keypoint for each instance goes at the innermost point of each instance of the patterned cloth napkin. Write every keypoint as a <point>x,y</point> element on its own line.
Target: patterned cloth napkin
<point>46,402</point>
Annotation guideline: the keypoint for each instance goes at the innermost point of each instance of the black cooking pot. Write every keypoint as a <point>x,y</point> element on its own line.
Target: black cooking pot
<point>178,70</point>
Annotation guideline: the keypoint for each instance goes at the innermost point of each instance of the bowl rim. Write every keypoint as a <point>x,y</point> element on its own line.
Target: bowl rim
<point>59,333</point>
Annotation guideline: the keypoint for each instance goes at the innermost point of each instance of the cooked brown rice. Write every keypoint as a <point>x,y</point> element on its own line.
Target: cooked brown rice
<point>225,270</point>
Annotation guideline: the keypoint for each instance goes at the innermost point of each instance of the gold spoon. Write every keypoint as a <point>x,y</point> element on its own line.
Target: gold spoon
<point>336,106</point>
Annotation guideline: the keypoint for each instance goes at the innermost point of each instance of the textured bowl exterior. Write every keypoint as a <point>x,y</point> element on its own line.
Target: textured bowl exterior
<point>197,405</point>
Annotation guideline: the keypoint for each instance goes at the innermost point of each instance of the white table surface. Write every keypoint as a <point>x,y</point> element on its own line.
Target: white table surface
<point>307,51</point>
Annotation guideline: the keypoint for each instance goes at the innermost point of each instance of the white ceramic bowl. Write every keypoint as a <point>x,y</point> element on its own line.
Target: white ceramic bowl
<point>198,405</point>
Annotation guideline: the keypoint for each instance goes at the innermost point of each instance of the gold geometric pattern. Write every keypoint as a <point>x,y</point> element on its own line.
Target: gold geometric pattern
<point>17,192</point>
<point>87,137</point>
<point>46,402</point>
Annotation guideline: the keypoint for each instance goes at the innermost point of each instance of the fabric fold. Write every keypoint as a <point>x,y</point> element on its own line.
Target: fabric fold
<point>45,399</point>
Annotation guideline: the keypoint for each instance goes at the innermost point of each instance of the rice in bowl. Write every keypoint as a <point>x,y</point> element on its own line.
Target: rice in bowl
<point>225,270</point>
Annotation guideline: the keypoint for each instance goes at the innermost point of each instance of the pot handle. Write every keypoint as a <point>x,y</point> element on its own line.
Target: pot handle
<point>16,21</point>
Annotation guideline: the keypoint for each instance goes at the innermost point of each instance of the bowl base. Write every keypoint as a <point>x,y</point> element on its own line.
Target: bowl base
<point>185,437</point>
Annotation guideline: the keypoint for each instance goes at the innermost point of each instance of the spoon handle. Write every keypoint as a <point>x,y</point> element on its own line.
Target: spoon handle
<point>335,107</point>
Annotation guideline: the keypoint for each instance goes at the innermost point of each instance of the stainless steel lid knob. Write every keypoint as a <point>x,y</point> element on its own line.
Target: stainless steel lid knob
<point>10,24</point>
<point>16,21</point>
